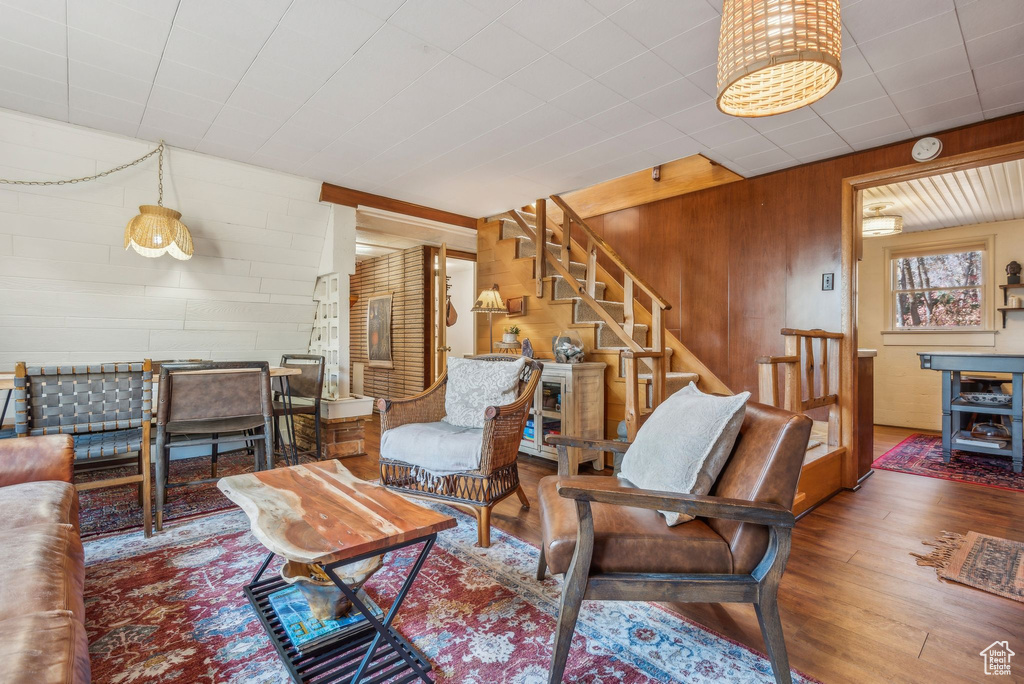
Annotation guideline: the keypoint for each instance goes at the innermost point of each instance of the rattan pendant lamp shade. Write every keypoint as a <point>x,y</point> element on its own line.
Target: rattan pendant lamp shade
<point>158,230</point>
<point>775,56</point>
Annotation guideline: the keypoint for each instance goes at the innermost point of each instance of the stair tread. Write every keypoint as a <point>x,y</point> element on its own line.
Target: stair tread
<point>670,374</point>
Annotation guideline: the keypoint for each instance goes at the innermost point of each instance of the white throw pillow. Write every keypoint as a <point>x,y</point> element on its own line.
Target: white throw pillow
<point>473,385</point>
<point>684,444</point>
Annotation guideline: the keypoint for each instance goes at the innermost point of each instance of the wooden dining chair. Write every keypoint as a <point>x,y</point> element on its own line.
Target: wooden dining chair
<point>612,544</point>
<point>308,387</point>
<point>209,404</point>
<point>106,407</point>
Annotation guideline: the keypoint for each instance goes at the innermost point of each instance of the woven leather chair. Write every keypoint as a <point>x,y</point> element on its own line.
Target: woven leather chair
<point>107,408</point>
<point>611,543</point>
<point>207,404</point>
<point>498,475</point>
<point>307,386</point>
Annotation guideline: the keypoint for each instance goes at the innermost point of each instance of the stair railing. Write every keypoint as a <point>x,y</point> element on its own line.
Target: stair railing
<point>803,370</point>
<point>587,291</point>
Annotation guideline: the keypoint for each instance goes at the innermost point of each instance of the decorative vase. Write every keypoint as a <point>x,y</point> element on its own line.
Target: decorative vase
<point>326,602</point>
<point>510,338</point>
<point>567,347</point>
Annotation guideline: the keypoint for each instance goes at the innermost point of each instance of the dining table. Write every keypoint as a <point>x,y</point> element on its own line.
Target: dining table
<point>282,372</point>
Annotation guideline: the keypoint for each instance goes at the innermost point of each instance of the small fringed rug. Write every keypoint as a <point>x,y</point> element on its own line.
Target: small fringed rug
<point>978,560</point>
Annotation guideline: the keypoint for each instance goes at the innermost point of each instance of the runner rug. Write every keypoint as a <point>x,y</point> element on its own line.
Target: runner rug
<point>978,560</point>
<point>921,454</point>
<point>171,609</point>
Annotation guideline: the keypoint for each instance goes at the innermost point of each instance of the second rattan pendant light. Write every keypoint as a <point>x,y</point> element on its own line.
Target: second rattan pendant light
<point>158,230</point>
<point>775,56</point>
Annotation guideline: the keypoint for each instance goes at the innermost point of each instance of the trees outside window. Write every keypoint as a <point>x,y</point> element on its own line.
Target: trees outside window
<point>942,290</point>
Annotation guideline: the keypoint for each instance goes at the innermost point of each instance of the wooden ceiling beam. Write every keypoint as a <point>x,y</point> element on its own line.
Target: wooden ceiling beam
<point>356,198</point>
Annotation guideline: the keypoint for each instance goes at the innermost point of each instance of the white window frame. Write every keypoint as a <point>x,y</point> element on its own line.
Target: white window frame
<point>984,244</point>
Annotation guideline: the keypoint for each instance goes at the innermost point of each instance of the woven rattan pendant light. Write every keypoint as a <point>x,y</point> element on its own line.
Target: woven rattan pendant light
<point>158,230</point>
<point>775,56</point>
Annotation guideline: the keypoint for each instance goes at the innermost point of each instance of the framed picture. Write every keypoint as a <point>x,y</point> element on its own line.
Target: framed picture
<point>516,306</point>
<point>378,331</point>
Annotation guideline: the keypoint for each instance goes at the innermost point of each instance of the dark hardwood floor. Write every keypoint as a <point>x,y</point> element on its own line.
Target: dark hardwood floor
<point>855,605</point>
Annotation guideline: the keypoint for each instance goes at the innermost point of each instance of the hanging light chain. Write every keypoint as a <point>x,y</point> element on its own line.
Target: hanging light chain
<point>160,174</point>
<point>159,149</point>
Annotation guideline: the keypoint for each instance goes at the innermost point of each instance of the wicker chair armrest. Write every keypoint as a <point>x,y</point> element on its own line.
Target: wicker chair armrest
<point>425,407</point>
<point>503,428</point>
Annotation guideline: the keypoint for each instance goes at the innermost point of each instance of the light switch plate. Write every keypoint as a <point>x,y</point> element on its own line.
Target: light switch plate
<point>828,281</point>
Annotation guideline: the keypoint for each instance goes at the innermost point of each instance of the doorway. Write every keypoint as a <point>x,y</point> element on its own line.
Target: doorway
<point>455,298</point>
<point>936,287</point>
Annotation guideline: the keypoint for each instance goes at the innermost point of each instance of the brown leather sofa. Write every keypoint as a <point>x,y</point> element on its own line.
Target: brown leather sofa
<point>42,564</point>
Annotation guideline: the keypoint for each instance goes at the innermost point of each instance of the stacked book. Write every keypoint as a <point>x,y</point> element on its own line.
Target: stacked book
<point>306,632</point>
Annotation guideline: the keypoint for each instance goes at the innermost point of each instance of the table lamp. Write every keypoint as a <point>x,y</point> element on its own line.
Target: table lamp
<point>489,302</point>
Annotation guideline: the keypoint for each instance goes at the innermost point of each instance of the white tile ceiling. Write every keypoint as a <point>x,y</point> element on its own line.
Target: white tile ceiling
<point>959,198</point>
<point>478,105</point>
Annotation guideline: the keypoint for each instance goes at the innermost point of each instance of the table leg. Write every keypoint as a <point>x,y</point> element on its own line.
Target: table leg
<point>289,422</point>
<point>3,414</point>
<point>1016,427</point>
<point>383,628</point>
<point>947,414</point>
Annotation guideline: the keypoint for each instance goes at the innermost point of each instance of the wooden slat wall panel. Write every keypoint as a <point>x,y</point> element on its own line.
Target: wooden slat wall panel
<point>762,244</point>
<point>404,275</point>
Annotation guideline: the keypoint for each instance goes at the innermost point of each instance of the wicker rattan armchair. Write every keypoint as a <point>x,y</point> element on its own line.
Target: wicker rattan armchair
<point>498,475</point>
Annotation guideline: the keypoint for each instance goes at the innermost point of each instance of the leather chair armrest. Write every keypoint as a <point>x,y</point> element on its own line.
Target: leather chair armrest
<point>609,490</point>
<point>33,459</point>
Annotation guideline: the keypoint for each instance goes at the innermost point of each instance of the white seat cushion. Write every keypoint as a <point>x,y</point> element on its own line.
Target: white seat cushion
<point>440,448</point>
<point>684,444</point>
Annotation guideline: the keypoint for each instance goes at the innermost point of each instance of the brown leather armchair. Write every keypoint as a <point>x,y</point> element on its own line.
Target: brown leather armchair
<point>611,543</point>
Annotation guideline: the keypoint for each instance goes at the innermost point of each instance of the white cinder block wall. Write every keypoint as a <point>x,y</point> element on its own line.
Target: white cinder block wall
<point>905,395</point>
<point>69,292</point>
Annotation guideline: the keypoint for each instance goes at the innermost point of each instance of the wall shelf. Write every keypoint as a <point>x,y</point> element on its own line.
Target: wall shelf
<point>1004,309</point>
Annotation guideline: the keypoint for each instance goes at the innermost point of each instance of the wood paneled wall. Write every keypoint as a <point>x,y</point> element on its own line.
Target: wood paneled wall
<point>741,261</point>
<point>404,275</point>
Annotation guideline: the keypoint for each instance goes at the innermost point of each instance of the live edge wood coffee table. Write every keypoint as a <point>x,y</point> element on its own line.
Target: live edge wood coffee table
<point>321,513</point>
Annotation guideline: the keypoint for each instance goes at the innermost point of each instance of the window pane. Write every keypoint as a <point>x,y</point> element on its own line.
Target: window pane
<point>959,269</point>
<point>939,308</point>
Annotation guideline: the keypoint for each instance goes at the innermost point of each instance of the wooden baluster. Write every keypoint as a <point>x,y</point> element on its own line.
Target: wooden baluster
<point>793,393</point>
<point>658,362</point>
<point>566,239</point>
<point>540,238</point>
<point>823,365</point>
<point>768,383</point>
<point>809,366</point>
<point>632,398</point>
<point>627,306</point>
<point>591,268</point>
<point>834,413</point>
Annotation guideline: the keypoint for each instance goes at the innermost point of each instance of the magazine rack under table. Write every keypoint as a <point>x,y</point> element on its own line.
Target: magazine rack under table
<point>369,652</point>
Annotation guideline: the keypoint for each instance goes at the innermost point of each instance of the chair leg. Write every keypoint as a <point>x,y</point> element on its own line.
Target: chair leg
<point>573,591</point>
<point>146,485</point>
<point>214,452</point>
<point>542,566</point>
<point>767,610</point>
<point>483,527</point>
<point>521,493</point>
<point>268,445</point>
<point>316,423</point>
<point>161,477</point>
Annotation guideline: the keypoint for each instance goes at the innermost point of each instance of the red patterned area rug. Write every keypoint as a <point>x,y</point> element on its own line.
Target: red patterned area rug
<point>171,609</point>
<point>114,509</point>
<point>922,455</point>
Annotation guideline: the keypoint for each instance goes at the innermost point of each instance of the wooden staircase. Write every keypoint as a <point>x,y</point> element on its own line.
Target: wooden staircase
<point>650,362</point>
